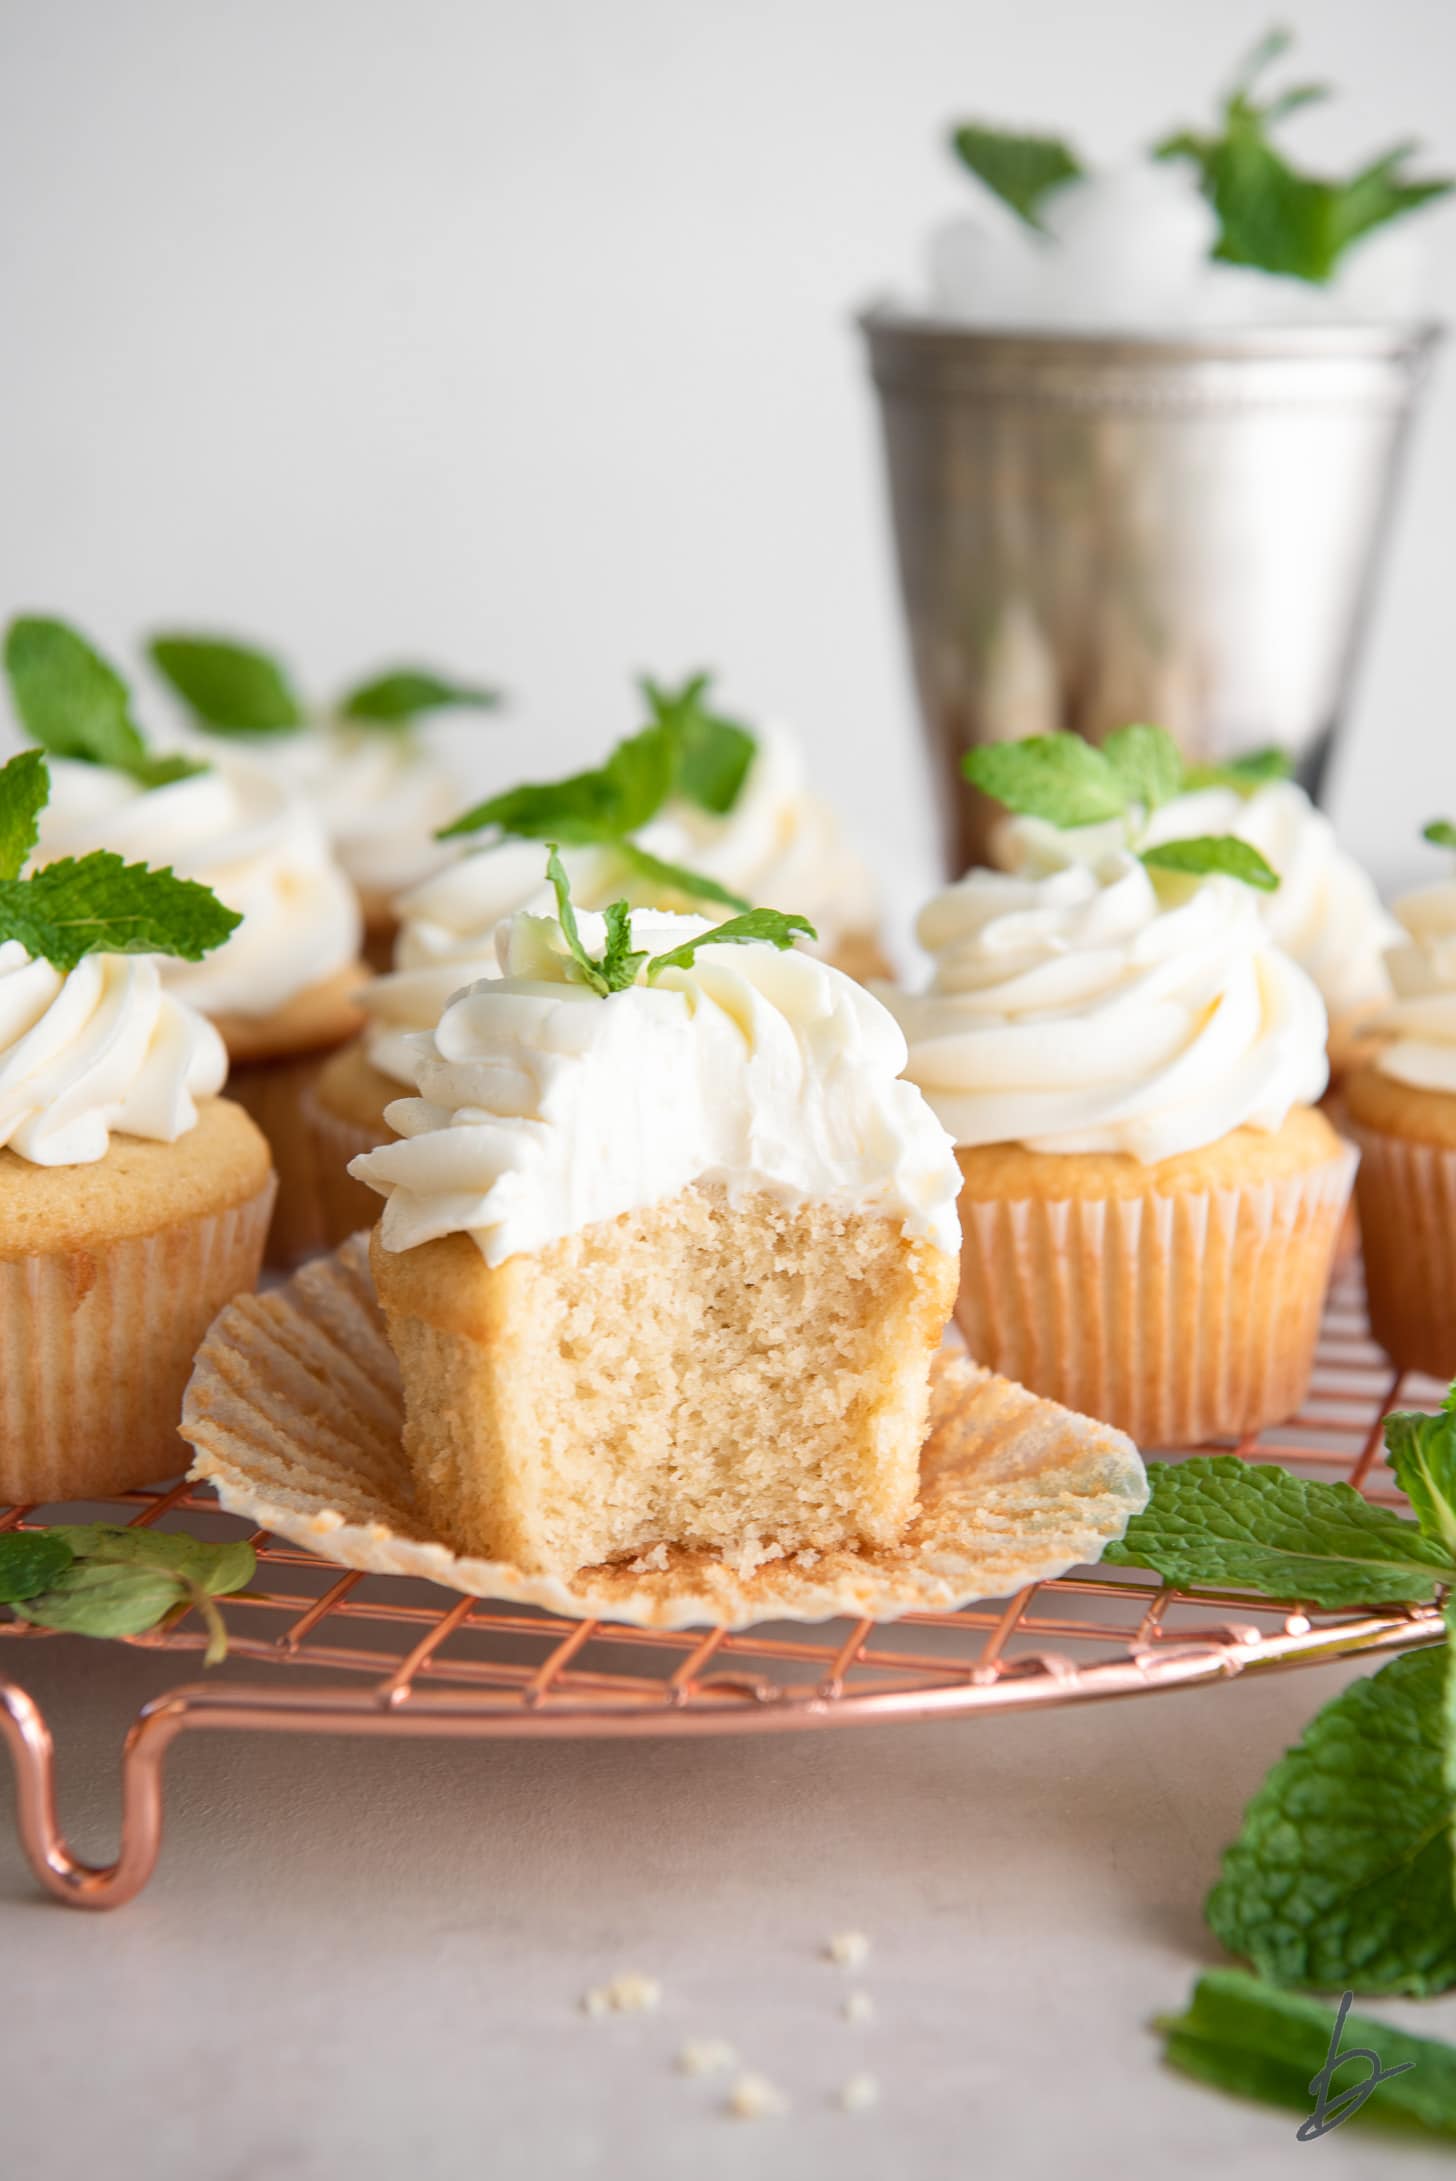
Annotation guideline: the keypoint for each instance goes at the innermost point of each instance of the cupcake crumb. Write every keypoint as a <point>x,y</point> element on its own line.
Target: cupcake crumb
<point>629,1993</point>
<point>847,1949</point>
<point>858,2007</point>
<point>650,1563</point>
<point>859,2094</point>
<point>706,2056</point>
<point>808,1558</point>
<point>754,2097</point>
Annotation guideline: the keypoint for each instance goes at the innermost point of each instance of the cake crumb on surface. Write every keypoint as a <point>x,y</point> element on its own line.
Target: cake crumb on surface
<point>858,2007</point>
<point>651,1563</point>
<point>629,1993</point>
<point>706,2056</point>
<point>754,2097</point>
<point>859,2094</point>
<point>847,1949</point>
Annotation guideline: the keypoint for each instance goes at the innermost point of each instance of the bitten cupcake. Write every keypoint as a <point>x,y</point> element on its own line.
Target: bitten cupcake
<point>282,988</point>
<point>133,1200</point>
<point>1402,1112</point>
<point>666,1251</point>
<point>364,762</point>
<point>1149,1202</point>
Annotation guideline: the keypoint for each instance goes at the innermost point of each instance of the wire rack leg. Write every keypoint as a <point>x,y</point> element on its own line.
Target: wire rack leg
<point>32,1752</point>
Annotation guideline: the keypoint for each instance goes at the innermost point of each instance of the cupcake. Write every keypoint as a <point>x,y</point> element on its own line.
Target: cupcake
<point>1149,1201</point>
<point>365,763</point>
<point>134,1200</point>
<point>1401,1109</point>
<point>666,1250</point>
<point>282,988</point>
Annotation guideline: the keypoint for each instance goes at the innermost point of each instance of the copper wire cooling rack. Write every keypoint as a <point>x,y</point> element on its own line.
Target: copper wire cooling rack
<point>316,1649</point>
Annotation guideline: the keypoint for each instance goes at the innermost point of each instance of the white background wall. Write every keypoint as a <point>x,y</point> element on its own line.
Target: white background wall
<point>518,335</point>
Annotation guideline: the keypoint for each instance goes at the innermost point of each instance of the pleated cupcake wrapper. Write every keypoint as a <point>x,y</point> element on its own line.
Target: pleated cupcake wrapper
<point>346,1204</point>
<point>97,1345</point>
<point>1407,1195</point>
<point>1177,1318</point>
<point>274,1093</point>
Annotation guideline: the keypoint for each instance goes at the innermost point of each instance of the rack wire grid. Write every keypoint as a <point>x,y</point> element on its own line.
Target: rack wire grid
<point>318,1649</point>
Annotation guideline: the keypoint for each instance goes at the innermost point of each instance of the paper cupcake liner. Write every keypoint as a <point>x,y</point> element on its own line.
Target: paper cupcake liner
<point>296,1413</point>
<point>1407,1199</point>
<point>1178,1318</point>
<point>346,1205</point>
<point>273,1092</point>
<point>97,1345</point>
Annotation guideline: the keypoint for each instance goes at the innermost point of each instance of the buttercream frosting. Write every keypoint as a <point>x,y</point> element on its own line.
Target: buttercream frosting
<point>1420,1021</point>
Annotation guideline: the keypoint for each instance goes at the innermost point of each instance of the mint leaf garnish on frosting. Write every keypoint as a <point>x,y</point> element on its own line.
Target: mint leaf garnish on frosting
<point>230,688</point>
<point>676,878</point>
<point>406,693</point>
<point>1441,833</point>
<point>1148,763</point>
<point>74,703</point>
<point>94,904</point>
<point>1208,853</point>
<point>585,808</point>
<point>1251,770</point>
<point>93,1579</point>
<point>713,754</point>
<point>618,965</point>
<point>1022,170</point>
<point>759,924</point>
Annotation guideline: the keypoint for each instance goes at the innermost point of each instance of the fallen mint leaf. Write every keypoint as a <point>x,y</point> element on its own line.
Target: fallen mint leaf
<point>30,1562</point>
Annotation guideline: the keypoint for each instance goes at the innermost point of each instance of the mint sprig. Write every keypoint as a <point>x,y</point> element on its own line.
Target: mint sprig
<point>74,704</point>
<point>25,789</point>
<point>1273,216</point>
<point>619,963</point>
<point>94,1579</point>
<point>230,688</point>
<point>403,694</point>
<point>1441,833</point>
<point>676,878</point>
<point>712,755</point>
<point>759,924</point>
<point>586,808</point>
<point>1023,171</point>
<point>1205,854</point>
<point>1247,773</point>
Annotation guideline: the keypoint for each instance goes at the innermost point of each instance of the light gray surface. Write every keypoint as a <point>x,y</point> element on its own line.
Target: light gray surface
<point>366,1959</point>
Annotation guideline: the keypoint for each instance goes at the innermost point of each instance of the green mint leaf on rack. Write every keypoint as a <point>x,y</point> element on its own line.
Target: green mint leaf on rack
<point>1246,773</point>
<point>617,966</point>
<point>404,694</point>
<point>1061,778</point>
<point>1214,853</point>
<point>713,754</point>
<point>1271,215</point>
<point>1215,1522</point>
<point>1440,833</point>
<point>779,930</point>
<point>122,1582</point>
<point>1340,1879</point>
<point>74,703</point>
<point>1148,763</point>
<point>25,789</point>
<point>1421,1449</point>
<point>671,879</point>
<point>31,1561</point>
<point>1241,2034</point>
<point>615,799</point>
<point>99,905</point>
<point>228,687</point>
<point>1023,171</point>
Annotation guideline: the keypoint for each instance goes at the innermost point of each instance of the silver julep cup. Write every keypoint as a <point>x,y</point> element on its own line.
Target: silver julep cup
<point>1092,530</point>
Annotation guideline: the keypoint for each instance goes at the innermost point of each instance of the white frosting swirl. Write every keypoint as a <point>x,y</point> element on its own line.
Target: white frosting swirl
<point>97,1049</point>
<point>380,795</point>
<point>1090,1011</point>
<point>544,1108</point>
<point>1421,1020</point>
<point>252,841</point>
<point>1326,912</point>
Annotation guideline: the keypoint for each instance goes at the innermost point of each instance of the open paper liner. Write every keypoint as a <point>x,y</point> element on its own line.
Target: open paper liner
<point>295,1412</point>
<point>96,1346</point>
<point>1407,1195</point>
<point>1179,1317</point>
<point>345,1205</point>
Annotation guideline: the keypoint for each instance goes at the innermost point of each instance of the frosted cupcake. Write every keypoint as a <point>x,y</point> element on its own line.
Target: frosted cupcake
<point>133,1200</point>
<point>364,763</point>
<point>666,1250</point>
<point>282,988</point>
<point>1402,1112</point>
<point>1149,1203</point>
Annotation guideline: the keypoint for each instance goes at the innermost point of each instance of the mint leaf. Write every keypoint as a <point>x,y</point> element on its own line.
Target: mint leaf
<point>74,704</point>
<point>590,970</point>
<point>1060,777</point>
<point>1440,833</point>
<point>1216,1522</point>
<point>1210,853</point>
<point>121,1582</point>
<point>769,924</point>
<point>1421,1450</point>
<point>615,799</point>
<point>101,1598</point>
<point>1341,1876</point>
<point>30,1562</point>
<point>100,905</point>
<point>713,754</point>
<point>676,878</point>
<point>230,688</point>
<point>1023,171</point>
<point>1148,763</point>
<point>25,789</point>
<point>403,693</point>
<point>1246,2036</point>
<point>620,963</point>
<point>1253,769</point>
